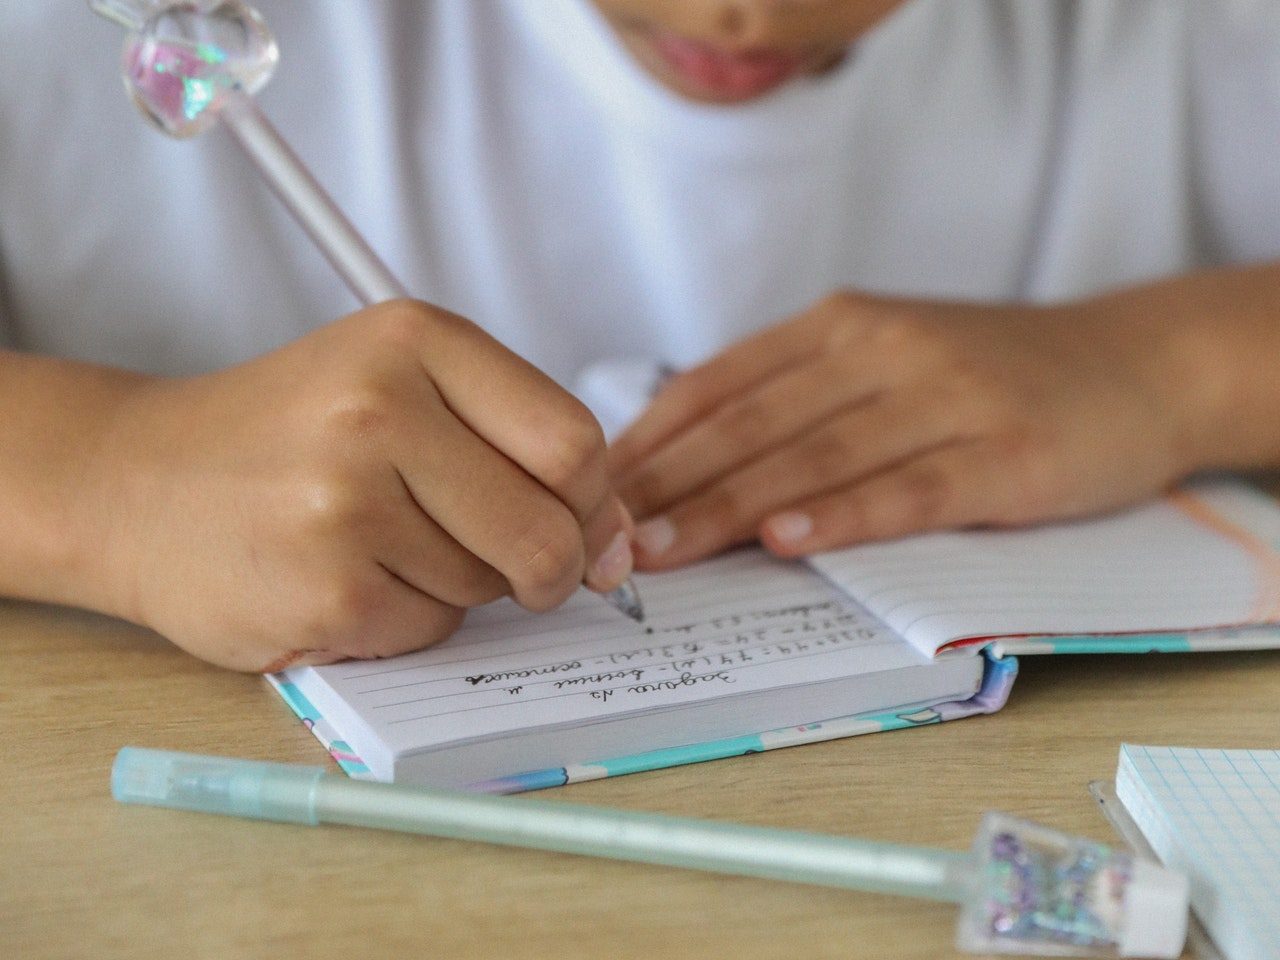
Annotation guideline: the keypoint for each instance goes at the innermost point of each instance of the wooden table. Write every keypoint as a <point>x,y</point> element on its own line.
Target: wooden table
<point>83,877</point>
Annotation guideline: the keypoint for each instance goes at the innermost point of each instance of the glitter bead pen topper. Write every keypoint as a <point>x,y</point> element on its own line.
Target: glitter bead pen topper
<point>1022,888</point>
<point>190,63</point>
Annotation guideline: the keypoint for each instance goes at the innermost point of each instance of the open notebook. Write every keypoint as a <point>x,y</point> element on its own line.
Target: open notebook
<point>745,653</point>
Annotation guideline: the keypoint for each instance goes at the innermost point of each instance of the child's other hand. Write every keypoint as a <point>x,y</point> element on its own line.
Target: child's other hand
<point>351,494</point>
<point>865,418</point>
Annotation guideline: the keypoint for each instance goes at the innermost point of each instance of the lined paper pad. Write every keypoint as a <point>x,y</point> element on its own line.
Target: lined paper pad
<point>748,641</point>
<point>1215,815</point>
<point>1203,558</point>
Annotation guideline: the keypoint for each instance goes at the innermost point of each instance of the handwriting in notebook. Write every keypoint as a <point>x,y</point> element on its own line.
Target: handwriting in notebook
<point>725,648</point>
<point>728,645</point>
<point>740,624</point>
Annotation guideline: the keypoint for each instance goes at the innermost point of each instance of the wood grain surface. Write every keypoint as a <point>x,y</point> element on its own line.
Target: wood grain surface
<point>84,877</point>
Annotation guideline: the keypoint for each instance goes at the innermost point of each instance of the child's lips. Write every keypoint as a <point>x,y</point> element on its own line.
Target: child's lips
<point>722,74</point>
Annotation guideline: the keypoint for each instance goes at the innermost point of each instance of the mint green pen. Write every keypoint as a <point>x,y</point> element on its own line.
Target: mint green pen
<point>1023,888</point>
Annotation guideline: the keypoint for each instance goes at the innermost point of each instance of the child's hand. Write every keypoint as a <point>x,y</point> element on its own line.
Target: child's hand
<point>866,418</point>
<point>351,494</point>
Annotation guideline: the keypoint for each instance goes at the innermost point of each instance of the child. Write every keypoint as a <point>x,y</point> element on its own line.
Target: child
<point>931,265</point>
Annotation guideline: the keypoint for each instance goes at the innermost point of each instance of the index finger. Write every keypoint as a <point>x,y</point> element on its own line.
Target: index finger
<point>690,396</point>
<point>519,411</point>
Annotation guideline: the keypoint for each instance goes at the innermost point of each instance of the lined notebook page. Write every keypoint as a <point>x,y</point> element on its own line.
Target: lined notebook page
<point>1215,815</point>
<point>735,625</point>
<point>1204,557</point>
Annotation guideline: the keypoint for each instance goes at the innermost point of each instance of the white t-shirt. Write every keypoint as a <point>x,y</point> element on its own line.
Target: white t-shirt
<point>511,163</point>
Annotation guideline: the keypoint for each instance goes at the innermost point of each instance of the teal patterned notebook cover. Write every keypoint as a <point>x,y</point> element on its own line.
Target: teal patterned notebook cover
<point>997,680</point>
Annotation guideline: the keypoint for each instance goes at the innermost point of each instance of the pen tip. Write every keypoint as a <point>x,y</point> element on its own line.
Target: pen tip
<point>626,598</point>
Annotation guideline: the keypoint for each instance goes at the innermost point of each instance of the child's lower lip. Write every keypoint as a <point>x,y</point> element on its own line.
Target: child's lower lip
<point>722,75</point>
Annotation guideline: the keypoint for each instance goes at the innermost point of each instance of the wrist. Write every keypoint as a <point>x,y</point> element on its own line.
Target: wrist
<point>113,529</point>
<point>71,543</point>
<point>1213,344</point>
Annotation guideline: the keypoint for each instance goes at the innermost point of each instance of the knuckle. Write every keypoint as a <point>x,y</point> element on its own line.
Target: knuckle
<point>839,302</point>
<point>403,326</point>
<point>329,506</point>
<point>846,302</point>
<point>550,560</point>
<point>900,331</point>
<point>400,324</point>
<point>439,322</point>
<point>573,451</point>
<point>360,412</point>
<point>839,317</point>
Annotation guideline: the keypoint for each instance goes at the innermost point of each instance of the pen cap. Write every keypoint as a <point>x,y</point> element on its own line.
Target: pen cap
<point>184,59</point>
<point>241,788</point>
<point>1039,891</point>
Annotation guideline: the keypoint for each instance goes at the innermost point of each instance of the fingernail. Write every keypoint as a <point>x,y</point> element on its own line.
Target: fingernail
<point>614,565</point>
<point>628,524</point>
<point>656,536</point>
<point>790,527</point>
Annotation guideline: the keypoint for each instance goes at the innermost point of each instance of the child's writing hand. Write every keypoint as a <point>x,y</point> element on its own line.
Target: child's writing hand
<point>351,494</point>
<point>867,418</point>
